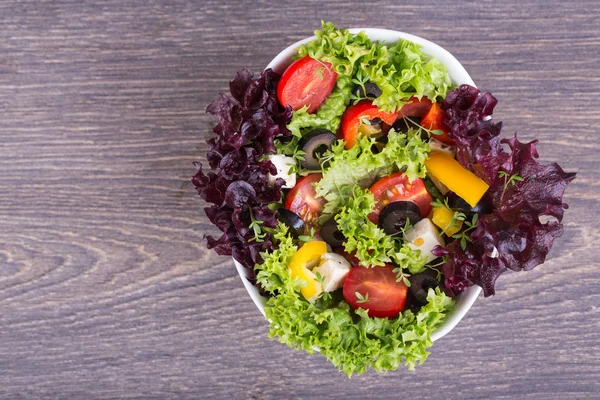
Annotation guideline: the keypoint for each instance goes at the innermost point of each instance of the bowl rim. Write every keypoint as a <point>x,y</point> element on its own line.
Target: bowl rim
<point>459,75</point>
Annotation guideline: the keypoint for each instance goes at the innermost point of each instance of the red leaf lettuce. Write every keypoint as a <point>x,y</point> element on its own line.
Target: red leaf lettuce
<point>527,213</point>
<point>247,123</point>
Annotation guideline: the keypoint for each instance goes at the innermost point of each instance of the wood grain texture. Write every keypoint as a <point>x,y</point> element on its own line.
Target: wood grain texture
<point>106,288</point>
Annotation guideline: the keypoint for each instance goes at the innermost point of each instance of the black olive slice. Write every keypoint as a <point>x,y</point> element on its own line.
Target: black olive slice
<point>393,216</point>
<point>331,234</point>
<point>421,283</point>
<point>401,125</point>
<point>292,220</point>
<point>456,202</point>
<point>371,91</point>
<point>411,303</point>
<point>314,144</point>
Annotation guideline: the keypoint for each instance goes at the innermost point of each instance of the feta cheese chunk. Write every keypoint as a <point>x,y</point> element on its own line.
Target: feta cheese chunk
<point>333,268</point>
<point>283,165</point>
<point>423,236</point>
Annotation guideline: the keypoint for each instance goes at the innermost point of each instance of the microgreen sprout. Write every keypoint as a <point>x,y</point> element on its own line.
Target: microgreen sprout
<point>457,216</point>
<point>298,155</point>
<point>320,278</point>
<point>360,80</point>
<point>401,276</point>
<point>462,236</point>
<point>508,180</point>
<point>361,298</point>
<point>256,226</point>
<point>435,132</point>
<point>309,237</point>
<point>433,267</point>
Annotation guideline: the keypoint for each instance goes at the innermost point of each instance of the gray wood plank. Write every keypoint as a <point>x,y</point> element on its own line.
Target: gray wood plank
<point>106,287</point>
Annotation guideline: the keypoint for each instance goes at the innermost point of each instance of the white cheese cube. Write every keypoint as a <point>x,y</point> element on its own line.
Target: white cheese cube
<point>333,268</point>
<point>423,236</point>
<point>283,165</point>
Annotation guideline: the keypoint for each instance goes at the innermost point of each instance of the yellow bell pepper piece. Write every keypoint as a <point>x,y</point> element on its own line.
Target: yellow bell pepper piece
<point>442,217</point>
<point>456,178</point>
<point>307,257</point>
<point>313,288</point>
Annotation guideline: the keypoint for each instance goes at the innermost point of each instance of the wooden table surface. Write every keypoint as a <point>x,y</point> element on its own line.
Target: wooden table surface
<point>106,287</point>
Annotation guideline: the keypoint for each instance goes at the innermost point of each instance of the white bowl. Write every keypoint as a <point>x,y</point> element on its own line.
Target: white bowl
<point>459,75</point>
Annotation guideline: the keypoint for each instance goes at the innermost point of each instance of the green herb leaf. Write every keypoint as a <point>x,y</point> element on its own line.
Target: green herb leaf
<point>508,180</point>
<point>255,225</point>
<point>325,296</point>
<point>299,155</point>
<point>320,278</point>
<point>361,298</point>
<point>309,237</point>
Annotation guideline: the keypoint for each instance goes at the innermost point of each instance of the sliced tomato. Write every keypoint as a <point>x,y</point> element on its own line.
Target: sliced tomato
<point>353,116</point>
<point>434,120</point>
<point>397,187</point>
<point>380,294</point>
<point>416,107</point>
<point>307,82</point>
<point>302,200</point>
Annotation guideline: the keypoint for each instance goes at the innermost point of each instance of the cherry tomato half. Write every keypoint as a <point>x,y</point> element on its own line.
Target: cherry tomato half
<point>307,82</point>
<point>434,120</point>
<point>397,187</point>
<point>416,107</point>
<point>302,200</point>
<point>353,115</point>
<point>382,296</point>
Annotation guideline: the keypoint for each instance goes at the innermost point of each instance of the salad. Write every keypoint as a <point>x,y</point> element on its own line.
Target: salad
<point>363,191</point>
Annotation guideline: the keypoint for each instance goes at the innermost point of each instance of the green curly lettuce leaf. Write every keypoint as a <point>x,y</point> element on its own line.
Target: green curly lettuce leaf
<point>350,339</point>
<point>401,70</point>
<point>369,243</point>
<point>273,274</point>
<point>360,166</point>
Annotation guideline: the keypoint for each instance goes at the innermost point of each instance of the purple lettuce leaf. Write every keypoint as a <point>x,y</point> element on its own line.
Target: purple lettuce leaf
<point>247,123</point>
<point>527,213</point>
